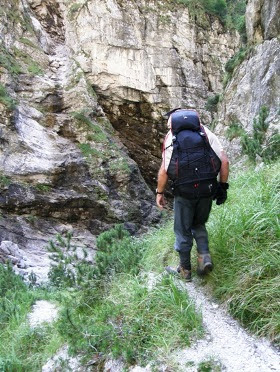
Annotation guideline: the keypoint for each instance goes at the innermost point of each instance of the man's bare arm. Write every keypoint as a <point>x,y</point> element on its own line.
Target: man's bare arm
<point>162,182</point>
<point>224,171</point>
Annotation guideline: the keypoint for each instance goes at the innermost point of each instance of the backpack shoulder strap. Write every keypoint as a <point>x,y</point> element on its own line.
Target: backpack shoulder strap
<point>205,137</point>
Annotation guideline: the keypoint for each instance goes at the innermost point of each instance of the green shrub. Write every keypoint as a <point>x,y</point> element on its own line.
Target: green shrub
<point>250,147</point>
<point>113,311</point>
<point>116,253</point>
<point>236,17</point>
<point>214,7</point>
<point>212,102</point>
<point>66,267</point>
<point>231,13</point>
<point>234,130</point>
<point>253,145</point>
<point>236,60</point>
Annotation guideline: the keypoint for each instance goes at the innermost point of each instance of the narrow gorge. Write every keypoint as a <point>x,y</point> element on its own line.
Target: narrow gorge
<point>84,88</point>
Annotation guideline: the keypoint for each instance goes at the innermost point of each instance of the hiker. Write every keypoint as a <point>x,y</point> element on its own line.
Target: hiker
<point>192,158</point>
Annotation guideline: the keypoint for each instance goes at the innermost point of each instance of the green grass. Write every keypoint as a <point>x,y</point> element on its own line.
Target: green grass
<point>245,235</point>
<point>109,308</point>
<point>21,348</point>
<point>28,42</point>
<point>133,322</point>
<point>32,66</point>
<point>244,238</point>
<point>4,180</point>
<point>124,307</point>
<point>6,100</point>
<point>42,187</point>
<point>235,61</point>
<point>95,133</point>
<point>8,61</point>
<point>112,304</point>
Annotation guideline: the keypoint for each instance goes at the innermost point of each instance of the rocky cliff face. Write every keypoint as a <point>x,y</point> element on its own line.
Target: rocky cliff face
<point>256,81</point>
<point>143,58</point>
<point>83,89</point>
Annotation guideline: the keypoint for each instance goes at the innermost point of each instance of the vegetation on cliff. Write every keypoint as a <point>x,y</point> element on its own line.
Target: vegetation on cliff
<point>230,12</point>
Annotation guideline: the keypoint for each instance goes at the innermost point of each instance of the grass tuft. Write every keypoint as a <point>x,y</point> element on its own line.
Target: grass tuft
<point>245,235</point>
<point>5,99</point>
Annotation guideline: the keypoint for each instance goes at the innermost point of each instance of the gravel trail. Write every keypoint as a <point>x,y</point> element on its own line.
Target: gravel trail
<point>225,341</point>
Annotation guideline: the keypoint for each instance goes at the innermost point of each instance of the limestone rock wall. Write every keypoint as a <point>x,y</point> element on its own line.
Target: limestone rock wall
<point>256,82</point>
<point>62,167</point>
<point>144,58</point>
<point>262,20</point>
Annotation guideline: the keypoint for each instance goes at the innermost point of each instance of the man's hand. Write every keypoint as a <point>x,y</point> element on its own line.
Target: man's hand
<point>221,194</point>
<point>160,201</point>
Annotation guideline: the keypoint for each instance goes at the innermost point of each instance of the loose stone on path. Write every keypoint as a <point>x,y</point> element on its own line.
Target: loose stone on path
<point>42,312</point>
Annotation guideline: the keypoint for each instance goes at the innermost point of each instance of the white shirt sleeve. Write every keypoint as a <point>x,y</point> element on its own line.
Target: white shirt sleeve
<point>167,150</point>
<point>214,142</point>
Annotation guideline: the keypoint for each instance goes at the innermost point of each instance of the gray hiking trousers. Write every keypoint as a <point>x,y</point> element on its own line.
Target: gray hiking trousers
<point>190,217</point>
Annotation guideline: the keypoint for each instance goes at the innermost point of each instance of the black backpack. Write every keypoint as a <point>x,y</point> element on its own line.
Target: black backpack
<point>194,165</point>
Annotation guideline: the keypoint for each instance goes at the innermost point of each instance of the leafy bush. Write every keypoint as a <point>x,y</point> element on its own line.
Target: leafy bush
<point>216,7</point>
<point>236,17</point>
<point>255,144</point>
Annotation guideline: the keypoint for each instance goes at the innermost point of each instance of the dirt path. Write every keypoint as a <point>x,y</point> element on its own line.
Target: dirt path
<point>225,341</point>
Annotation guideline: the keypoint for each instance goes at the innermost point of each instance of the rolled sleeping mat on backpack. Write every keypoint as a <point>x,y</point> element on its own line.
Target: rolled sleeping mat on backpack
<point>184,119</point>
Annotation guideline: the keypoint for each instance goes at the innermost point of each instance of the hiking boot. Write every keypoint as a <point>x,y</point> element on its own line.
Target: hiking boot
<point>204,264</point>
<point>185,274</point>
